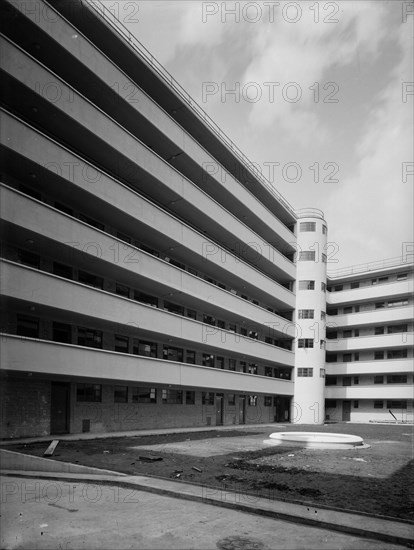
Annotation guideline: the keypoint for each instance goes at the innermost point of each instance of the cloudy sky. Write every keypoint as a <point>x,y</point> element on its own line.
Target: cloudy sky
<point>323,102</point>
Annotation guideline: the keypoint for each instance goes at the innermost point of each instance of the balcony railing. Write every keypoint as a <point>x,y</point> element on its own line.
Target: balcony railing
<point>372,266</point>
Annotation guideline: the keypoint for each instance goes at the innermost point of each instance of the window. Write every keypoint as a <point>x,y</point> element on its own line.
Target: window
<point>322,344</point>
<point>282,372</point>
<point>145,298</point>
<point>243,366</point>
<point>231,398</point>
<point>268,371</point>
<point>172,397</point>
<point>356,332</point>
<point>356,404</point>
<point>397,354</point>
<point>190,357</point>
<point>356,356</point>
<point>92,222</point>
<point>124,237</point>
<point>207,398</point>
<point>220,363</point>
<point>356,309</point>
<point>305,314</point>
<point>323,287</point>
<point>307,226</point>
<point>330,403</point>
<point>398,303</point>
<point>243,331</point>
<point>64,208</point>
<point>62,270</point>
<point>378,355</point>
<point>121,394</point>
<point>252,400</point>
<point>192,314</point>
<point>396,404</point>
<point>346,357</point>
<point>347,334</point>
<point>355,285</point>
<point>27,326</point>
<point>307,256</point>
<point>305,372</point>
<point>346,381</point>
<point>378,404</point>
<point>190,397</point>
<point>305,343</point>
<point>330,381</point>
<point>332,311</point>
<point>383,279</point>
<point>221,324</point>
<point>90,279</point>
<point>356,380</point>
<point>379,305</point>
<point>147,349</point>
<point>378,330</point>
<point>397,379</point>
<point>268,340</point>
<point>324,258</point>
<point>393,329</point>
<point>122,290</point>
<point>208,360</point>
<point>89,337</point>
<point>252,368</point>
<point>402,276</point>
<point>321,373</point>
<point>172,354</point>
<point>62,333</point>
<point>306,285</point>
<point>144,395</point>
<point>331,358</point>
<point>348,309</point>
<point>374,281</point>
<point>29,258</point>
<point>209,320</point>
<point>173,308</point>
<point>378,379</point>
<point>89,392</point>
<point>324,230</point>
<point>267,400</point>
<point>232,364</point>
<point>121,344</point>
<point>323,315</point>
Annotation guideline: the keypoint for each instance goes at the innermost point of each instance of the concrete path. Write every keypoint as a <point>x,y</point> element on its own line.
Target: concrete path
<point>71,513</point>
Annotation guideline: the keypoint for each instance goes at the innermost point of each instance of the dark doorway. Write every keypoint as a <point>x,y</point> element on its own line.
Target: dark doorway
<point>242,409</point>
<point>219,409</point>
<point>59,408</point>
<point>282,409</point>
<point>346,411</point>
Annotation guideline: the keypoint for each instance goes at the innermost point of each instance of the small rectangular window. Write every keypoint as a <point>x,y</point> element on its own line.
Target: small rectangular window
<point>190,397</point>
<point>305,343</point>
<point>397,379</point>
<point>231,398</point>
<point>90,279</point>
<point>145,298</point>
<point>172,397</point>
<point>355,285</point>
<point>220,363</point>
<point>378,355</point>
<point>378,330</point>
<point>323,287</point>
<point>305,314</point>
<point>356,380</point>
<point>356,404</point>
<point>29,258</point>
<point>121,344</point>
<point>379,305</point>
<point>330,381</point>
<point>190,357</point>
<point>378,404</point>
<point>27,326</point>
<point>324,230</point>
<point>378,379</point>
<point>89,337</point>
<point>321,373</point>
<point>307,256</point>
<point>173,308</point>
<point>346,381</point>
<point>62,270</point>
<point>121,394</point>
<point>348,309</point>
<point>192,314</point>
<point>396,404</point>
<point>232,364</point>
<point>324,258</point>
<point>346,357</point>
<point>170,353</point>
<point>89,392</point>
<point>306,285</point>
<point>62,333</point>
<point>402,276</point>
<point>397,354</point>
<point>305,372</point>
<point>207,398</point>
<point>144,395</point>
<point>141,347</point>
<point>307,226</point>
<point>122,290</point>
<point>323,316</point>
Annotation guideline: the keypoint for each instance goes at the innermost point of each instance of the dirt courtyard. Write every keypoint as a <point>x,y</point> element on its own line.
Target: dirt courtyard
<point>376,480</point>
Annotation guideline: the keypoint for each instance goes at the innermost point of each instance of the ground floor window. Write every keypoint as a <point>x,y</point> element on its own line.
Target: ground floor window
<point>190,397</point>
<point>121,394</point>
<point>172,397</point>
<point>144,395</point>
<point>207,398</point>
<point>89,392</point>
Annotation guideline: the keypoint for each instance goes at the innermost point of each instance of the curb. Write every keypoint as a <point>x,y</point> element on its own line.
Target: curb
<point>344,522</point>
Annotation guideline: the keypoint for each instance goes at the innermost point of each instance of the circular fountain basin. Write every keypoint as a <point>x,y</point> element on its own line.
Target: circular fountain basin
<point>316,440</point>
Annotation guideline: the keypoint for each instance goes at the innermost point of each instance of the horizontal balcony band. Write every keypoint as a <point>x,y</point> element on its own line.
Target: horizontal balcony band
<point>190,202</point>
<point>371,317</point>
<point>386,391</point>
<point>384,366</point>
<point>381,341</point>
<point>143,268</point>
<point>49,291</point>
<point>100,72</point>
<point>138,212</point>
<point>21,354</point>
<point>378,292</point>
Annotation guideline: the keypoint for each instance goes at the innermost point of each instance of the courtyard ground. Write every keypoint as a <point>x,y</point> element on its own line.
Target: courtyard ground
<point>374,480</point>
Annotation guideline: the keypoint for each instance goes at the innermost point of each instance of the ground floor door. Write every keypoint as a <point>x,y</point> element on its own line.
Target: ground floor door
<point>282,409</point>
<point>219,409</point>
<point>242,409</point>
<point>346,411</point>
<point>59,408</point>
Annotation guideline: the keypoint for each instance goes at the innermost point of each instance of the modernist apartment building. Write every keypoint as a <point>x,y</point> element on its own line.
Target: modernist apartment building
<point>149,277</point>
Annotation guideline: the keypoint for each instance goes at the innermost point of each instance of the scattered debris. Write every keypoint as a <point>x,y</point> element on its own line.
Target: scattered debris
<point>150,458</point>
<point>51,449</point>
<point>196,469</point>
